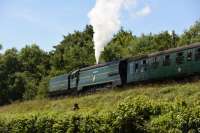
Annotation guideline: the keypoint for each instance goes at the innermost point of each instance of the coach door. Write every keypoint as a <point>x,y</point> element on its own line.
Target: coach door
<point>123,71</point>
<point>181,65</point>
<point>196,63</point>
<point>189,57</point>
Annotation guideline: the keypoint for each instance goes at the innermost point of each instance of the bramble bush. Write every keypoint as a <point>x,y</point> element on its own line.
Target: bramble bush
<point>185,120</point>
<point>134,114</point>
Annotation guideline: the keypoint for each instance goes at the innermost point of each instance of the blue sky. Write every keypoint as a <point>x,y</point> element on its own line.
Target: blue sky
<point>44,22</point>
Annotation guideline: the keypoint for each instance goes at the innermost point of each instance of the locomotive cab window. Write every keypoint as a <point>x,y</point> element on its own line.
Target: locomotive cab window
<point>179,58</point>
<point>189,56</point>
<point>166,61</point>
<point>197,54</point>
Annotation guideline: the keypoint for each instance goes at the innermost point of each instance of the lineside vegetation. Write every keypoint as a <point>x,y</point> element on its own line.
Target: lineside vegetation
<point>157,107</point>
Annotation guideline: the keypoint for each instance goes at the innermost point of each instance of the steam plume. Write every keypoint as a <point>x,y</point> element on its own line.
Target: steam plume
<point>105,19</point>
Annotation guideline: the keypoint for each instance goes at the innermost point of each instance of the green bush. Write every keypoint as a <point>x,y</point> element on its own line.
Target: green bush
<point>139,114</point>
<point>185,120</point>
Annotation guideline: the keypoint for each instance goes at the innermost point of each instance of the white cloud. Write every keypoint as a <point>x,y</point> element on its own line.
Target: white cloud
<point>129,4</point>
<point>144,11</point>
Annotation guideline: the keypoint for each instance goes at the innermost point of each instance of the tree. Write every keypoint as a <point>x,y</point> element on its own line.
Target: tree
<point>74,51</point>
<point>191,35</point>
<point>35,66</point>
<point>157,42</point>
<point>121,46</point>
<point>34,59</point>
<point>9,65</point>
<point>21,73</point>
<point>175,39</point>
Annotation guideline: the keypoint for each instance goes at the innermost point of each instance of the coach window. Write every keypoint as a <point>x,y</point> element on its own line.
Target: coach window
<point>189,55</point>
<point>197,54</point>
<point>136,67</point>
<point>166,61</point>
<point>144,62</point>
<point>131,68</point>
<point>155,62</point>
<point>150,61</point>
<point>144,67</point>
<point>179,58</point>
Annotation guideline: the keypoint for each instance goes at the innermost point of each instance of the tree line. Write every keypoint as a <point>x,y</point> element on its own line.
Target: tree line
<point>24,74</point>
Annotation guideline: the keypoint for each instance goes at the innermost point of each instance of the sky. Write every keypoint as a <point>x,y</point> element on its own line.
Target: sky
<point>44,22</point>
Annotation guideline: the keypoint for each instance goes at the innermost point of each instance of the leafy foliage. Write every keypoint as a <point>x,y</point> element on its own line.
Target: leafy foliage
<point>134,114</point>
<point>191,35</point>
<point>76,50</point>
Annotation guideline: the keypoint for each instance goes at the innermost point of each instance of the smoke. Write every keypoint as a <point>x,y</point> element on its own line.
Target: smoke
<point>105,19</point>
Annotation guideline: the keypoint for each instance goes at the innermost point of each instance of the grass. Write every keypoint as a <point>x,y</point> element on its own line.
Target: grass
<point>108,100</point>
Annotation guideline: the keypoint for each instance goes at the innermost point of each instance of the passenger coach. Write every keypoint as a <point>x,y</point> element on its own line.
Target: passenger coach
<point>175,62</point>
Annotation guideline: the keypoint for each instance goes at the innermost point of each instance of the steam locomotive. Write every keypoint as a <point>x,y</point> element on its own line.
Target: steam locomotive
<point>175,62</point>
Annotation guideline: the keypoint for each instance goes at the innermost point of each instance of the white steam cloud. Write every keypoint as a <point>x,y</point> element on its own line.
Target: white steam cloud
<point>105,19</point>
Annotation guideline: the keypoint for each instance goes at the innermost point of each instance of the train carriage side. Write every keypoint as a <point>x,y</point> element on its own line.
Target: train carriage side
<point>58,85</point>
<point>196,60</point>
<point>136,69</point>
<point>176,62</point>
<point>165,65</point>
<point>99,75</point>
<point>171,63</point>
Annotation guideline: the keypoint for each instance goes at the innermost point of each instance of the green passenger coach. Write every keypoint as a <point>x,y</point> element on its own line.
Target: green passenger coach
<point>174,62</point>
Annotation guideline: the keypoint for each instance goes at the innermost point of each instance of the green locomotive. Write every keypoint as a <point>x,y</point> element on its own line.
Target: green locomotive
<point>93,77</point>
<point>176,62</point>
